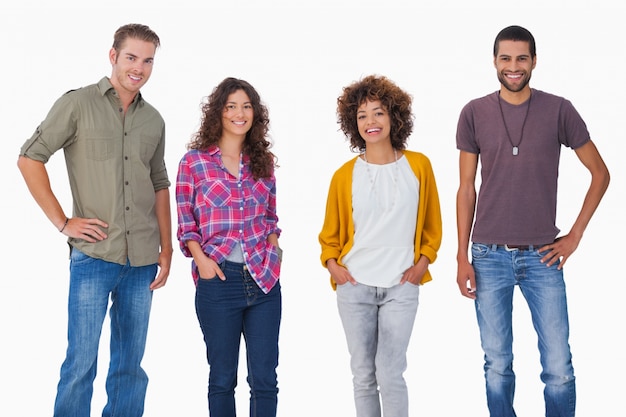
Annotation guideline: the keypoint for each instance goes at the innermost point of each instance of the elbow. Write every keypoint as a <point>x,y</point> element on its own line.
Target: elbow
<point>22,161</point>
<point>605,179</point>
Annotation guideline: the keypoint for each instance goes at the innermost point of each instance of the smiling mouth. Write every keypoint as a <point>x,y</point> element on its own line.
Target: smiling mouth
<point>376,130</point>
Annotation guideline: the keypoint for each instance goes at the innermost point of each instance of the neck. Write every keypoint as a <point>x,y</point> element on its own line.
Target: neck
<point>231,146</point>
<point>517,97</point>
<point>380,154</point>
<point>125,98</point>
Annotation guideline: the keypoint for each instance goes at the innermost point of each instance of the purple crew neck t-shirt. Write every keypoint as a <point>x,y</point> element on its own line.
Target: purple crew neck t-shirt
<point>517,197</point>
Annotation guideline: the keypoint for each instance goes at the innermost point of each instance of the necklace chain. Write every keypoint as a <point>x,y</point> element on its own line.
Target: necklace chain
<point>508,135</point>
<point>395,179</point>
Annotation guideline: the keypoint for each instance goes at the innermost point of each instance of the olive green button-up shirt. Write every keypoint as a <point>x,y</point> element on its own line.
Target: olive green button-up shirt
<point>115,164</point>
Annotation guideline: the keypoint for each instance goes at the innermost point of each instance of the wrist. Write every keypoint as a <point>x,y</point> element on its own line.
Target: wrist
<point>64,225</point>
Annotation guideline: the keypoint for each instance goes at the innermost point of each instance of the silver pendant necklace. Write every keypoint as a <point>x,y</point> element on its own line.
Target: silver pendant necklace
<point>508,135</point>
<point>395,179</point>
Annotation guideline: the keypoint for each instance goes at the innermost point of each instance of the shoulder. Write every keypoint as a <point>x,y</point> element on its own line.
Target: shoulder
<point>552,101</point>
<point>79,94</point>
<point>419,163</point>
<point>416,158</point>
<point>190,157</point>
<point>478,102</point>
<point>346,167</point>
<point>344,173</point>
<point>548,98</point>
<point>479,107</point>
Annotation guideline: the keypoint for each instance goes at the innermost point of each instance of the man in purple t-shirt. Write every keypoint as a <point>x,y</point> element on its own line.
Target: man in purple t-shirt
<point>517,133</point>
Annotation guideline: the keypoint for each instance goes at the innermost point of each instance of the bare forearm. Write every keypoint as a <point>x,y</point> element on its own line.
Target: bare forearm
<point>36,178</point>
<point>465,204</point>
<point>164,219</point>
<point>590,204</point>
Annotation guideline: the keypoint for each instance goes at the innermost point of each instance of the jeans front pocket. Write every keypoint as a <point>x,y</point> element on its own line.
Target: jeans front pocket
<point>480,250</point>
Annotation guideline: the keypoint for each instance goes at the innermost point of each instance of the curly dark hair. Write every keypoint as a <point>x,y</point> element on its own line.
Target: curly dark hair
<point>256,144</point>
<point>375,88</point>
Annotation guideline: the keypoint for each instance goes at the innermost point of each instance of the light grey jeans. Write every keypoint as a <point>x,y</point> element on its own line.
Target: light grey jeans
<point>378,323</point>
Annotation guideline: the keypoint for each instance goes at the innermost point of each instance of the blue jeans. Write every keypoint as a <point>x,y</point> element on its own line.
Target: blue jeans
<point>227,310</point>
<point>91,283</point>
<point>378,323</point>
<point>498,270</point>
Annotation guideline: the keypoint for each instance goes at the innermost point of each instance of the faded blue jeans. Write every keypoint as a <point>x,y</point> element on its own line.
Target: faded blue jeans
<point>92,281</point>
<point>378,323</point>
<point>227,310</point>
<point>498,271</point>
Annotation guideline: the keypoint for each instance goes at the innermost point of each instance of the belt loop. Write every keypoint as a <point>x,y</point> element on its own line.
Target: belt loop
<point>494,247</point>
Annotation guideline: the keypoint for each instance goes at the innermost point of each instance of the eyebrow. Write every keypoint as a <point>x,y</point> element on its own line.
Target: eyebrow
<point>135,56</point>
<point>375,108</point>
<point>511,56</point>
<point>234,102</point>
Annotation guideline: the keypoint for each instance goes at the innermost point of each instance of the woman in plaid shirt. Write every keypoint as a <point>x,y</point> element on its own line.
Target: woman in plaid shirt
<point>227,222</point>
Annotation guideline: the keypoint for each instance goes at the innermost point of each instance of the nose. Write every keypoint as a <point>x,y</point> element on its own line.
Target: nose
<point>138,68</point>
<point>370,119</point>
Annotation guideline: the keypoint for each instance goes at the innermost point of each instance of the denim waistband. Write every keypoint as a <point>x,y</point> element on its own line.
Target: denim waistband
<point>233,266</point>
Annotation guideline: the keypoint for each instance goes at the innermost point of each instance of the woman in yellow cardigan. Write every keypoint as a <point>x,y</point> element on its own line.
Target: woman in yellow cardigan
<point>382,229</point>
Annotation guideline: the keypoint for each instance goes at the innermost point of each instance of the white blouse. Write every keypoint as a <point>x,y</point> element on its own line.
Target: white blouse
<point>384,209</point>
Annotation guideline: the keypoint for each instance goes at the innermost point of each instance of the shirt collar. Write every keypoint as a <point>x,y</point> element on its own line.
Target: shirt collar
<point>214,150</point>
<point>104,85</point>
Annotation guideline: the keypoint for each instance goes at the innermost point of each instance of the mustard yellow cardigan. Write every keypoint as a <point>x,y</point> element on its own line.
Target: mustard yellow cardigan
<point>337,235</point>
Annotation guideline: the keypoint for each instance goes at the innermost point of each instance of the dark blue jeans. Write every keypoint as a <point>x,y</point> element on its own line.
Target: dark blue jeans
<point>227,310</point>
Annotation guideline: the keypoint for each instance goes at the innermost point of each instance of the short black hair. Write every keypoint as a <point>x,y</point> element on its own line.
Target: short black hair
<point>515,33</point>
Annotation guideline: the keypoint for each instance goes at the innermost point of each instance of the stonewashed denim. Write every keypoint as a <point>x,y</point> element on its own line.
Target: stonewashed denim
<point>92,281</point>
<point>498,271</point>
<point>227,310</point>
<point>378,323</point>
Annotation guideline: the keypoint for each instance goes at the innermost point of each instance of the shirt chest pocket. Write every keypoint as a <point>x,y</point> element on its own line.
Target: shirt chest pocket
<point>99,148</point>
<point>215,193</point>
<point>258,194</point>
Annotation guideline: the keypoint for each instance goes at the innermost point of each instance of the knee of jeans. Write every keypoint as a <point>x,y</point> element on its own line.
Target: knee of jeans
<point>552,379</point>
<point>502,366</point>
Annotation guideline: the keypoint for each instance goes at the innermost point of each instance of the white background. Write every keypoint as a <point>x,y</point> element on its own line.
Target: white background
<point>299,55</point>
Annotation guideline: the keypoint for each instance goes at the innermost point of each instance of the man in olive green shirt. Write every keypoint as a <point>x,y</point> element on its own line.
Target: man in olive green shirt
<point>120,228</point>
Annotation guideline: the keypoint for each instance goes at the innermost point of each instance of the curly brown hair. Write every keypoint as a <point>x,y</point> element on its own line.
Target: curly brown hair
<point>375,88</point>
<point>256,145</point>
